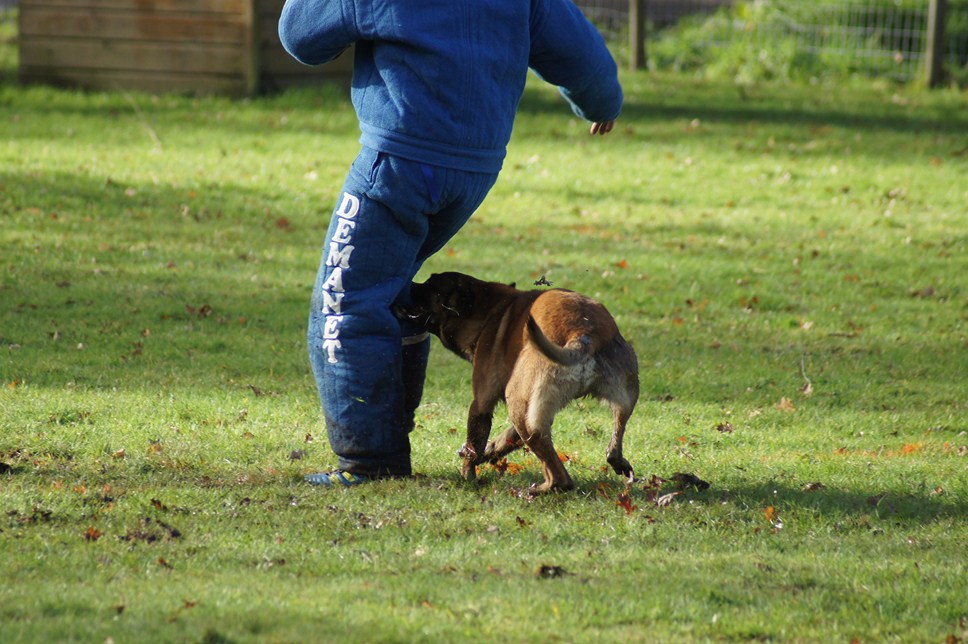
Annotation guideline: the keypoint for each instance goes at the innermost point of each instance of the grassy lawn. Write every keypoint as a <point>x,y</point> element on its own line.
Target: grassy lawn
<point>790,265</point>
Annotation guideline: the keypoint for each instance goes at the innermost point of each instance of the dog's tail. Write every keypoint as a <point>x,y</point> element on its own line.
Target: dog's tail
<point>567,357</point>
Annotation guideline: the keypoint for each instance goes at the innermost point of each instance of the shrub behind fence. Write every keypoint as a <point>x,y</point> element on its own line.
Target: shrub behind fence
<point>883,37</point>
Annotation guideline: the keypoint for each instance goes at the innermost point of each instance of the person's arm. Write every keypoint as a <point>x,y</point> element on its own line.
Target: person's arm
<point>317,31</point>
<point>568,51</point>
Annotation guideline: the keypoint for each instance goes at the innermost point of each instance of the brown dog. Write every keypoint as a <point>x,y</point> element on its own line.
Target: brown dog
<point>537,350</point>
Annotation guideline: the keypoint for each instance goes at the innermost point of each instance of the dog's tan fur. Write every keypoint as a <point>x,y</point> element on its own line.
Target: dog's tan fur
<point>537,350</point>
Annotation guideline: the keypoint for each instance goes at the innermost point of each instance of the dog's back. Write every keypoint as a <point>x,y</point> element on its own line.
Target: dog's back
<point>567,326</point>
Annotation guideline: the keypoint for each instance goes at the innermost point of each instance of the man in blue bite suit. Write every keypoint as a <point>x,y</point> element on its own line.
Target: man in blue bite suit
<point>436,84</point>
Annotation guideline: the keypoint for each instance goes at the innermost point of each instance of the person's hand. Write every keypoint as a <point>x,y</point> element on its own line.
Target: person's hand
<point>602,128</point>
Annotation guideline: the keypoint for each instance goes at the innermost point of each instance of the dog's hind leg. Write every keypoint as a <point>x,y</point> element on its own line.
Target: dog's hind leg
<point>614,455</point>
<point>619,387</point>
<point>533,421</point>
<point>507,442</point>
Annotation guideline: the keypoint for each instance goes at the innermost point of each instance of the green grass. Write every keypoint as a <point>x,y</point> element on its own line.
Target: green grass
<point>157,412</point>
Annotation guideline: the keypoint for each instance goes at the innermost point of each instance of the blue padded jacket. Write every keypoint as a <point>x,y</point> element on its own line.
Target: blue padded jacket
<point>439,81</point>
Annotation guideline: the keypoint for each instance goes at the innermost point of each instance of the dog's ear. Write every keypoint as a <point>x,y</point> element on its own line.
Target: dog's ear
<point>513,284</point>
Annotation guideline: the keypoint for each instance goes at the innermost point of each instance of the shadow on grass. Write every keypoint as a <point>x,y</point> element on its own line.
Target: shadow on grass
<point>777,106</point>
<point>119,285</point>
<point>831,502</point>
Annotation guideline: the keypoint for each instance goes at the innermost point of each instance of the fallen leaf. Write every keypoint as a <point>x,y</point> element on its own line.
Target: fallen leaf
<point>550,572</point>
<point>666,499</point>
<point>503,467</point>
<point>813,487</point>
<point>604,489</point>
<point>684,480</point>
<point>92,534</point>
<point>296,455</point>
<point>725,427</point>
<point>203,311</point>
<point>625,502</point>
<point>785,405</point>
<point>774,518</point>
<point>164,564</point>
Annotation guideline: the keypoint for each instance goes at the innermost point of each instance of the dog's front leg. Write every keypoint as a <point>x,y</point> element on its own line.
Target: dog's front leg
<point>479,418</point>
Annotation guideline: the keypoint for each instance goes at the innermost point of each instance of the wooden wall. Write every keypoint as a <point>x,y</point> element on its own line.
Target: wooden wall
<point>198,46</point>
<point>277,69</point>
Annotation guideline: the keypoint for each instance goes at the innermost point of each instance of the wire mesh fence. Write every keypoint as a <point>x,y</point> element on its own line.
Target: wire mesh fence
<point>873,36</point>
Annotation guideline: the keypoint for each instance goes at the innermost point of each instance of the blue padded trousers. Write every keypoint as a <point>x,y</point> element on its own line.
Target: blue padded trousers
<point>392,214</point>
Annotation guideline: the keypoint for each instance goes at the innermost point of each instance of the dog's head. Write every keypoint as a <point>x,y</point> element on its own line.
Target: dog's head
<point>454,307</point>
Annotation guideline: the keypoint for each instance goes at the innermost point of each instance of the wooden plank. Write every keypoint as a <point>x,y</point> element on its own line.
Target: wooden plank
<point>130,26</point>
<point>204,46</point>
<point>159,83</point>
<point>278,61</point>
<point>253,57</point>
<point>269,10</point>
<point>143,6</point>
<point>133,56</point>
<point>278,69</point>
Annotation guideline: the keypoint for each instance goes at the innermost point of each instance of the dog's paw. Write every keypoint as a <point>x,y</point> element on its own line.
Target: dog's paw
<point>623,468</point>
<point>551,486</point>
<point>468,453</point>
<point>468,471</point>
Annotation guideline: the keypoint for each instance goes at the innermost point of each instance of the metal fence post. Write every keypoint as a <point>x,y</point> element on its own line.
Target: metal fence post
<point>637,58</point>
<point>934,51</point>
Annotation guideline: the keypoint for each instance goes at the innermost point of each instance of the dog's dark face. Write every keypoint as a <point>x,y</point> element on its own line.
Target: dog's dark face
<point>454,307</point>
